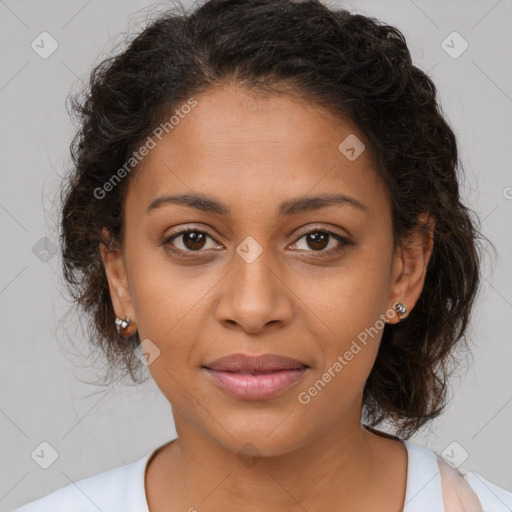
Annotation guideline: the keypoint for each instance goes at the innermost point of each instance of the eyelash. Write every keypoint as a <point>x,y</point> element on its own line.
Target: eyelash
<point>344,242</point>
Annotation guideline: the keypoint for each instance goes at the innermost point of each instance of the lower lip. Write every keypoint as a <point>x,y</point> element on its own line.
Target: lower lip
<point>256,387</point>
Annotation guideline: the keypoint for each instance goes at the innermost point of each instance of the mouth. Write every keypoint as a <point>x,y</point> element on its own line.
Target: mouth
<point>255,364</point>
<point>255,378</point>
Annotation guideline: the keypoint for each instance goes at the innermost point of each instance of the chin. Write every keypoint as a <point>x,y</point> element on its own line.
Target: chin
<point>261,442</point>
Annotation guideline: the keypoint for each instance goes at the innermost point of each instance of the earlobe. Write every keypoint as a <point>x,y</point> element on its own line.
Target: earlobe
<point>410,267</point>
<point>117,280</point>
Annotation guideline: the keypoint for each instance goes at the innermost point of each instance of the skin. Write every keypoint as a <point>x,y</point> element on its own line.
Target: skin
<point>252,153</point>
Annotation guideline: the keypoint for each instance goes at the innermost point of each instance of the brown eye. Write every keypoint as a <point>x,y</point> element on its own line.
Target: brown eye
<point>191,240</point>
<point>187,242</point>
<point>318,239</point>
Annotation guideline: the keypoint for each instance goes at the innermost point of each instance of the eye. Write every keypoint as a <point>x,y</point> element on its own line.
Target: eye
<point>193,240</point>
<point>318,239</point>
<point>189,240</point>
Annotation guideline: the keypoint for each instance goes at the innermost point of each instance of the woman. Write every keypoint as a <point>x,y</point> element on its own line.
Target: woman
<point>264,211</point>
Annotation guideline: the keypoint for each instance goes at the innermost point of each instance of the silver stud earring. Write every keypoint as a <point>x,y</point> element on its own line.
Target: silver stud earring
<point>122,324</point>
<point>400,309</point>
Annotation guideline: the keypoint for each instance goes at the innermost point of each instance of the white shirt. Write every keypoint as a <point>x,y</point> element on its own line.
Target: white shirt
<point>122,489</point>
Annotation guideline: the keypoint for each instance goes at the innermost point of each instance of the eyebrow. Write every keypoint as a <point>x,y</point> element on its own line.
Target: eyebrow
<point>289,207</point>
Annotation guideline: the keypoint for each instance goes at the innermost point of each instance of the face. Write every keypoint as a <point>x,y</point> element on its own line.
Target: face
<point>263,270</point>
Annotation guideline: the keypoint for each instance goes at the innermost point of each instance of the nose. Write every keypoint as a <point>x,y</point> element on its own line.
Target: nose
<point>254,295</point>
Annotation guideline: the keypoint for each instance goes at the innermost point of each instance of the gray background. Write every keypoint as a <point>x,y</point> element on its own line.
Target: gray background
<point>47,390</point>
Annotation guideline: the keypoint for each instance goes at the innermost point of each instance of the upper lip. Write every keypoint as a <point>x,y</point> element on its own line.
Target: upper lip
<point>248,363</point>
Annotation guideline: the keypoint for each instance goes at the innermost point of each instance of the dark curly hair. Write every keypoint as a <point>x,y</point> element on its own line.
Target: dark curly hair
<point>354,66</point>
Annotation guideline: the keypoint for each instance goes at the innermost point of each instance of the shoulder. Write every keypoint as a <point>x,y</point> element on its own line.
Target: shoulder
<point>113,490</point>
<point>434,484</point>
<point>471,491</point>
<point>491,496</point>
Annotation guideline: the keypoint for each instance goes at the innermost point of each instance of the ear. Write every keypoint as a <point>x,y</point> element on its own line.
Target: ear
<point>410,266</point>
<point>117,280</point>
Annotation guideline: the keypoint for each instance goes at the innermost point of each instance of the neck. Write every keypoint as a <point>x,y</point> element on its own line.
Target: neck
<point>343,464</point>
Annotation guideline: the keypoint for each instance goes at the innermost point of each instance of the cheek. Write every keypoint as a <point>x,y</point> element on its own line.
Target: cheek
<point>350,309</point>
<point>164,295</point>
<point>351,296</point>
<point>348,352</point>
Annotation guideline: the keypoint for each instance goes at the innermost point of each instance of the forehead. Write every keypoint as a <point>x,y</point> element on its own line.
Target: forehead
<point>252,148</point>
